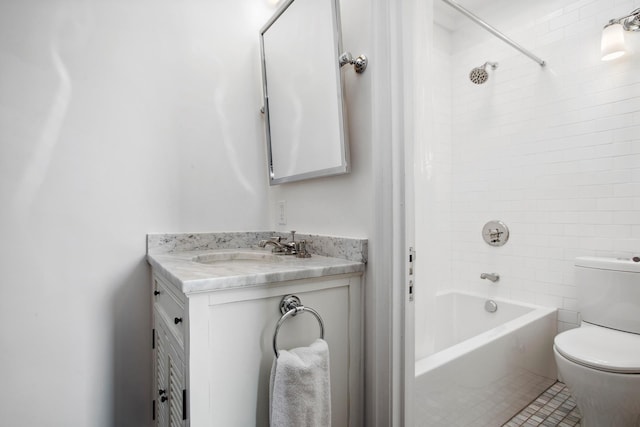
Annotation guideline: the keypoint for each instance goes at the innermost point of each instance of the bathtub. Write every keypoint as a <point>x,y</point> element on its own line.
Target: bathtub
<point>486,367</point>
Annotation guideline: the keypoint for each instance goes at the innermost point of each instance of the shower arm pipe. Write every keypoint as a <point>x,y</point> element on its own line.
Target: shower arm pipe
<point>494,31</point>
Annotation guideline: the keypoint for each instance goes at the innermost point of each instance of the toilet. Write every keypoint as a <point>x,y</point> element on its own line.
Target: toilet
<point>600,361</point>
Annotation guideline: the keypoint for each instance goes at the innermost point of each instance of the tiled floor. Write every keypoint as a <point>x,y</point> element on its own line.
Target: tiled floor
<point>554,407</point>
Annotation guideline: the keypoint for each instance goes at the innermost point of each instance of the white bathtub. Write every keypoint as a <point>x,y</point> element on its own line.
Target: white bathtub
<point>486,366</point>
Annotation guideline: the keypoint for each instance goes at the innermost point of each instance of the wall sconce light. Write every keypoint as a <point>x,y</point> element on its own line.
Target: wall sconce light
<point>612,44</point>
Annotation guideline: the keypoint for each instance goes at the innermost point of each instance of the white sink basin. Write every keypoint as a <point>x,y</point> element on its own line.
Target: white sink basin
<point>237,257</point>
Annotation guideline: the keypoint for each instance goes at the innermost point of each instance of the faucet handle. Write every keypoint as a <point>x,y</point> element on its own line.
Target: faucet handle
<point>301,249</point>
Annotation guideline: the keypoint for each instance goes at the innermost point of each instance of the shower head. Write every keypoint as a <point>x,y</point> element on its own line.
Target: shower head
<point>479,75</point>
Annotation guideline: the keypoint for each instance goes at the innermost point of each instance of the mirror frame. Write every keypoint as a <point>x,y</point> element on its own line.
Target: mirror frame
<point>344,166</point>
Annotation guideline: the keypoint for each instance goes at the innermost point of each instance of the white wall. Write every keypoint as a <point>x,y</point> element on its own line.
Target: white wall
<point>553,152</point>
<point>344,205</point>
<point>369,201</point>
<point>339,205</point>
<point>119,118</point>
<point>116,119</point>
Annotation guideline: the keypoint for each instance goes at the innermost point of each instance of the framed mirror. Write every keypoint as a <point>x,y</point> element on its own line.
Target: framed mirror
<point>304,113</point>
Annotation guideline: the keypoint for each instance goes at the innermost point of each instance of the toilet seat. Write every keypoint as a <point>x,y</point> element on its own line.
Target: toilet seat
<point>601,348</point>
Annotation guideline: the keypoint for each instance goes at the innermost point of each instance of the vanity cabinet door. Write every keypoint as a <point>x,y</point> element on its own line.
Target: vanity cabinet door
<point>160,374</point>
<point>231,348</point>
<point>169,378</point>
<point>176,390</point>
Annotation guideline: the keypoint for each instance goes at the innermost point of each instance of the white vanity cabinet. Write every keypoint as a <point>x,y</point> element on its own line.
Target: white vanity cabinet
<point>213,349</point>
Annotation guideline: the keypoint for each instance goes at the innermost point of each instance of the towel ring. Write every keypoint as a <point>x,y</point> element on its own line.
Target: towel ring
<point>290,306</point>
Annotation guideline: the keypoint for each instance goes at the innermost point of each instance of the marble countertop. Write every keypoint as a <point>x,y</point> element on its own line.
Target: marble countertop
<point>190,276</point>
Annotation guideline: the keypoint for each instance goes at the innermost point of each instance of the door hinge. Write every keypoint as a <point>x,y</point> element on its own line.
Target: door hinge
<point>154,410</point>
<point>412,260</point>
<point>153,339</point>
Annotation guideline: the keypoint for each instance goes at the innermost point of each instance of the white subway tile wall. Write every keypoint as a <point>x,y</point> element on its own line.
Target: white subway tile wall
<point>553,152</point>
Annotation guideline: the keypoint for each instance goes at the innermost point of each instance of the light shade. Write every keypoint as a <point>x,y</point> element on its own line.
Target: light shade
<point>612,44</point>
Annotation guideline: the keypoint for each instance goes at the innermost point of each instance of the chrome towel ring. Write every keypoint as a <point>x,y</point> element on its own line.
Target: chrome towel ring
<point>290,306</point>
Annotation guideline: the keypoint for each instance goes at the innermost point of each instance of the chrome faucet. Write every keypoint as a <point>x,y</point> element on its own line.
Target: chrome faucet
<point>277,246</point>
<point>299,248</point>
<point>494,277</point>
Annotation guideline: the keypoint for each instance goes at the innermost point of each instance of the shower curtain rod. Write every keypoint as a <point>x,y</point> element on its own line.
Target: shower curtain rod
<point>493,31</point>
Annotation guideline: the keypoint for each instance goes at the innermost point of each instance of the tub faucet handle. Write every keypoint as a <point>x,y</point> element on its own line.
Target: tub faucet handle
<point>494,277</point>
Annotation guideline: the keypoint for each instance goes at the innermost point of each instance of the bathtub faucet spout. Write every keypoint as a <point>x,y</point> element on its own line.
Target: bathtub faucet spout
<point>494,277</point>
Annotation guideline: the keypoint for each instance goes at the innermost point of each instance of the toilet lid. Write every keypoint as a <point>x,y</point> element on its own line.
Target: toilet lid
<point>601,348</point>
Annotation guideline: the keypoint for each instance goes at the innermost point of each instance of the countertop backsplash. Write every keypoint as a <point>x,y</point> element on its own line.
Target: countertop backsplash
<point>330,246</point>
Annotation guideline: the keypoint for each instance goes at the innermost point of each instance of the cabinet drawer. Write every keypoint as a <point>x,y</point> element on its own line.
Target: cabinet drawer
<point>169,306</point>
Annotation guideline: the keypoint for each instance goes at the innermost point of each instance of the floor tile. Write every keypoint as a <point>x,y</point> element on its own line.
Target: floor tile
<point>553,408</point>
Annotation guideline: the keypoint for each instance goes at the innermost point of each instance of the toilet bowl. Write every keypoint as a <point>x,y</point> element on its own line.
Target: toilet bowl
<point>600,361</point>
<point>601,367</point>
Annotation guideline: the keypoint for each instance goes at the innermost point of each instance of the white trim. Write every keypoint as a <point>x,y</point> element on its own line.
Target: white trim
<point>408,320</point>
<point>414,48</point>
<point>385,318</point>
<point>401,342</point>
<point>378,384</point>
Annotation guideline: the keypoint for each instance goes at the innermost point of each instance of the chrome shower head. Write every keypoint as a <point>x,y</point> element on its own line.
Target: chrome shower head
<point>479,75</point>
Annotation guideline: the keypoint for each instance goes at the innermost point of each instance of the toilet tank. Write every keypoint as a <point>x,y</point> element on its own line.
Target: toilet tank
<point>609,292</point>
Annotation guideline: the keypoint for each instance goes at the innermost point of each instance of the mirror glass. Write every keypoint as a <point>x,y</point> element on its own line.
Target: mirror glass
<point>302,88</point>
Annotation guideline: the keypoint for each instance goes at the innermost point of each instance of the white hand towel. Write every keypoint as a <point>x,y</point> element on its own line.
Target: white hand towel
<point>300,393</point>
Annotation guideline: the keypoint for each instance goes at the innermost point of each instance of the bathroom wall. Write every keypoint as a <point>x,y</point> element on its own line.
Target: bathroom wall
<point>122,118</point>
<point>368,202</point>
<point>117,118</point>
<point>339,205</point>
<point>554,152</point>
<point>343,205</point>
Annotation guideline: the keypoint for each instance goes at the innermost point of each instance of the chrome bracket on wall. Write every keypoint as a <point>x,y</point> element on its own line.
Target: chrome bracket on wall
<point>359,64</point>
<point>495,233</point>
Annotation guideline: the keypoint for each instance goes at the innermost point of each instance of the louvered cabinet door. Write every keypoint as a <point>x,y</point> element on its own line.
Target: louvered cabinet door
<point>171,393</point>
<point>161,380</point>
<point>177,391</point>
